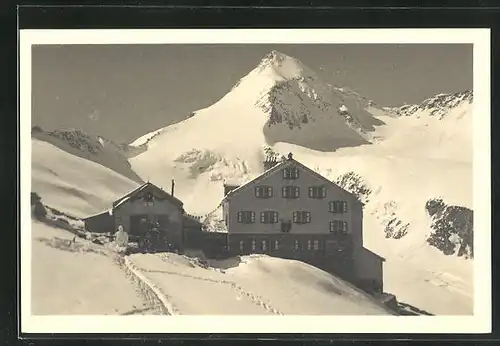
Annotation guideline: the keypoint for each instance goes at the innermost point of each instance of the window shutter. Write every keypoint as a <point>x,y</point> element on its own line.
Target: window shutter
<point>240,216</point>
<point>286,173</point>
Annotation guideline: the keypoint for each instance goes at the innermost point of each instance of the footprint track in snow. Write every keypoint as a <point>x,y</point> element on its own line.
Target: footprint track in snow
<point>252,297</point>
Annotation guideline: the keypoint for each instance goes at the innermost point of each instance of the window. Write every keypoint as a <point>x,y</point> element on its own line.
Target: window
<point>269,217</point>
<point>242,245</point>
<point>309,245</point>
<point>290,173</point>
<point>316,245</point>
<point>291,192</point>
<point>253,245</point>
<point>337,207</point>
<point>296,245</point>
<point>276,245</point>
<point>246,216</point>
<point>264,245</point>
<point>338,226</point>
<point>318,192</point>
<point>263,191</point>
<point>302,217</point>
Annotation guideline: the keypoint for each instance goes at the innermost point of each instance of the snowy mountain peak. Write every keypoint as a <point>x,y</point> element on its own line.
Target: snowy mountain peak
<point>283,67</point>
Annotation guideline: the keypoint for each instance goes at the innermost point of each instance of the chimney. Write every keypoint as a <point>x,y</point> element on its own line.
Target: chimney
<point>290,156</point>
<point>270,162</point>
<point>173,185</point>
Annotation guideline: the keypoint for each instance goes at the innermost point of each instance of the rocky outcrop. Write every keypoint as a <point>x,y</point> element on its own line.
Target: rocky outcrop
<point>354,183</point>
<point>438,106</point>
<point>452,228</point>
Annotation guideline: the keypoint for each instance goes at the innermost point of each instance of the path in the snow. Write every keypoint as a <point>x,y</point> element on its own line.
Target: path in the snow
<point>184,288</point>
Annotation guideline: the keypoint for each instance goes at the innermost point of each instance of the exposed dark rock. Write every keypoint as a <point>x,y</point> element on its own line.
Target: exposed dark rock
<point>37,208</point>
<point>452,228</point>
<point>395,228</point>
<point>354,183</point>
<point>36,129</point>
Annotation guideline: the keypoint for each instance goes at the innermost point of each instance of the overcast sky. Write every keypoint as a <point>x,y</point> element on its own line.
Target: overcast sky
<point>124,91</point>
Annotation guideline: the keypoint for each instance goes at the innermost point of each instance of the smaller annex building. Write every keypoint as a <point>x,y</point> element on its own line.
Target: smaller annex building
<point>145,205</point>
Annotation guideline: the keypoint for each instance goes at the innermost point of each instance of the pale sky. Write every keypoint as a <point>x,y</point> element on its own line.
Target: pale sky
<point>124,91</point>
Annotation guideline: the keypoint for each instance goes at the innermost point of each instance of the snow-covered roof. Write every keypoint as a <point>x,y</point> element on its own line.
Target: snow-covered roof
<point>125,198</point>
<point>102,212</point>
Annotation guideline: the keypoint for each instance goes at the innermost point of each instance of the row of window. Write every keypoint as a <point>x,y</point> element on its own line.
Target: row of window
<point>275,245</point>
<point>316,192</point>
<point>299,217</point>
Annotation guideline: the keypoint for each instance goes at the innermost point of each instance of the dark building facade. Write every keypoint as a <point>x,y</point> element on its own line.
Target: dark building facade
<point>146,205</point>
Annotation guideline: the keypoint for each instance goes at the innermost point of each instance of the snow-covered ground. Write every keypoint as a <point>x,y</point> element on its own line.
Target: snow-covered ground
<point>410,159</point>
<point>71,275</point>
<point>283,104</point>
<point>78,277</point>
<point>254,285</point>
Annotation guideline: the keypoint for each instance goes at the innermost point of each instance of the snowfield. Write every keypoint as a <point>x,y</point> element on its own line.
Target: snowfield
<point>71,275</point>
<point>405,157</point>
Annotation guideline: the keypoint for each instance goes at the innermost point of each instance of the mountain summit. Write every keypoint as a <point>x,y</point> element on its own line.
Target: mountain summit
<point>280,100</point>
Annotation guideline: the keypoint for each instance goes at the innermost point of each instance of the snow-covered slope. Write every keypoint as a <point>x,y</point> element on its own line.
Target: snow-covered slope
<point>281,100</point>
<point>93,148</point>
<point>78,277</point>
<point>405,161</point>
<point>73,184</point>
<point>254,285</point>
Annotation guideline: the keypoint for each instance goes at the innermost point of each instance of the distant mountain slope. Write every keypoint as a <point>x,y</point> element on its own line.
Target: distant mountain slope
<point>72,184</point>
<point>437,106</point>
<point>93,148</point>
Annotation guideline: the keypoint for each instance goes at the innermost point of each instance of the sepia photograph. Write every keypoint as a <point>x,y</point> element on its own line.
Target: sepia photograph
<point>225,177</point>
